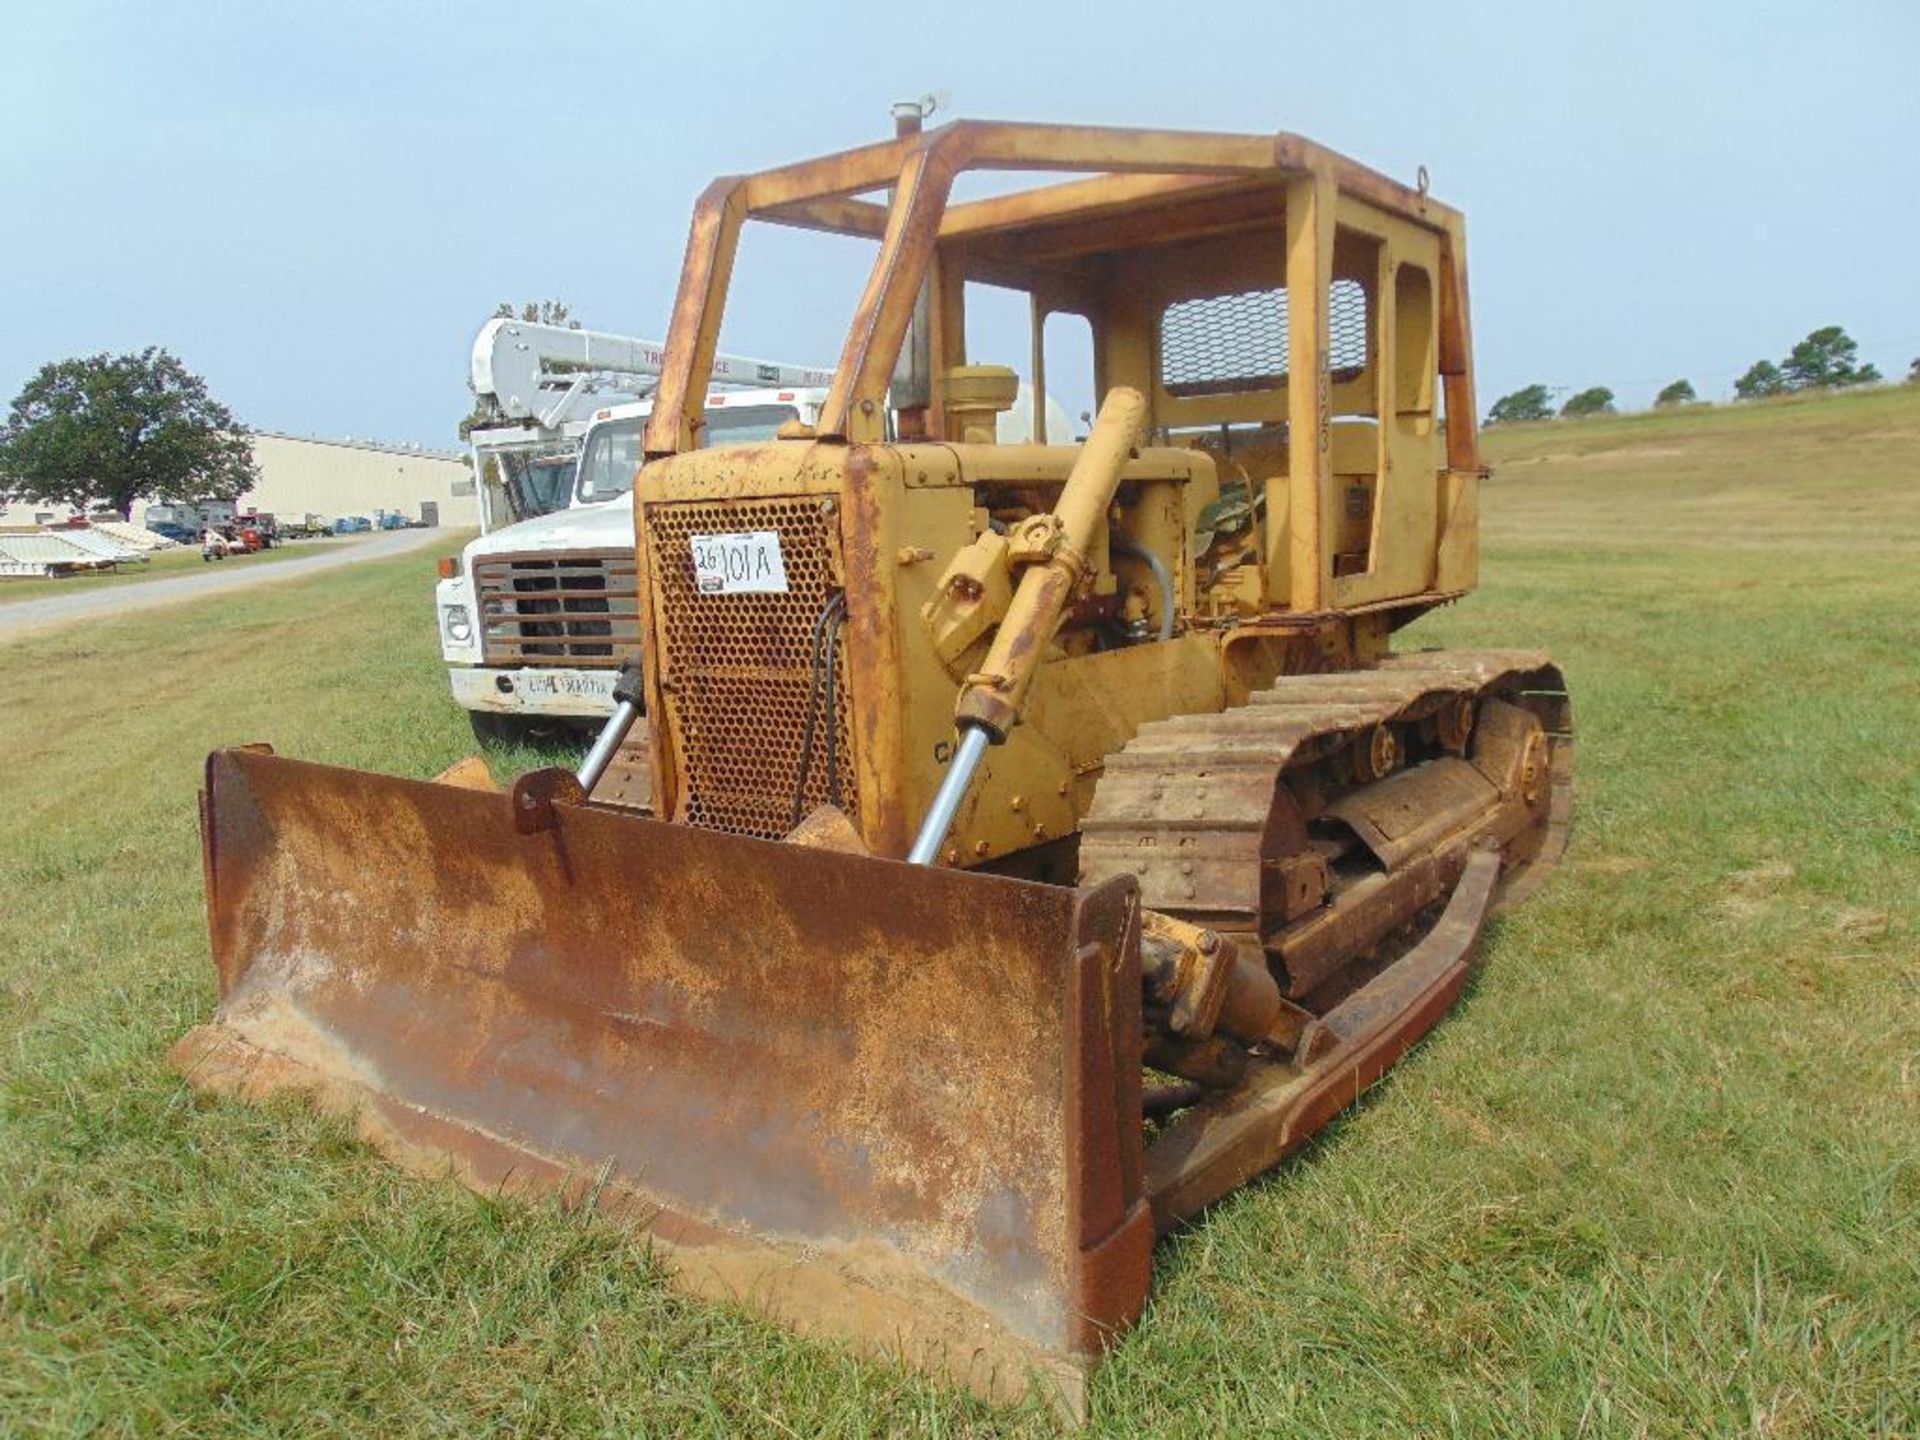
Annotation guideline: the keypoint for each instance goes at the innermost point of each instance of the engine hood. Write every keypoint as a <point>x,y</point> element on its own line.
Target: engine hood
<point>607,525</point>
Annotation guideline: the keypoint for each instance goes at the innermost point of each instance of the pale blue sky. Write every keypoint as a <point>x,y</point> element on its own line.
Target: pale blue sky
<point>316,206</point>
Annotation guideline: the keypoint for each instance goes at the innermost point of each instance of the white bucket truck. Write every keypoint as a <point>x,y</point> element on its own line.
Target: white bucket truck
<point>537,615</point>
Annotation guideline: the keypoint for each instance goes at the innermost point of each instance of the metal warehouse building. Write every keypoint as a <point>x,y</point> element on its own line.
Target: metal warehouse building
<point>356,477</point>
<point>299,474</point>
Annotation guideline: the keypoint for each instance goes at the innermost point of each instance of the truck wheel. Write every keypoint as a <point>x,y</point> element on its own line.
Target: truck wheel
<point>542,731</point>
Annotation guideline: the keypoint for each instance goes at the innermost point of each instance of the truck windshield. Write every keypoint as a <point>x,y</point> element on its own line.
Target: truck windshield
<point>539,482</point>
<point>613,449</point>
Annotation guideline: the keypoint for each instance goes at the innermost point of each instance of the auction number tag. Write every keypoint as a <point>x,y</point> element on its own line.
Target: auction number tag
<point>748,563</point>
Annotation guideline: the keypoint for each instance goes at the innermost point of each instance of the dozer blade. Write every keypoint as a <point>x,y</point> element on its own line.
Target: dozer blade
<point>895,1104</point>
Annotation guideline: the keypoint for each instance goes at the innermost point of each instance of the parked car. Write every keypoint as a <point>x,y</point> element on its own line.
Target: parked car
<point>352,525</point>
<point>181,534</point>
<point>261,526</point>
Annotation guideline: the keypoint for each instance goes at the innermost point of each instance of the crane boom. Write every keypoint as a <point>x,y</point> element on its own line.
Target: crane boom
<point>536,372</point>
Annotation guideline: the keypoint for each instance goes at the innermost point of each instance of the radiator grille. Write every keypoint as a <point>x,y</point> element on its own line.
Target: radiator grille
<point>737,668</point>
<point>580,610</point>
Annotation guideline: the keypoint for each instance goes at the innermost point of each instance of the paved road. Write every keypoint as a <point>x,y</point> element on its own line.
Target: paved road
<point>216,579</point>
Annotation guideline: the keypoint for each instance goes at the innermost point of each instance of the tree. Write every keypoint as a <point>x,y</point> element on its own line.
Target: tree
<point>1532,403</point>
<point>1680,392</point>
<point>112,429</point>
<point>481,413</point>
<point>1826,360</point>
<point>1596,400</point>
<point>539,312</point>
<point>1763,378</point>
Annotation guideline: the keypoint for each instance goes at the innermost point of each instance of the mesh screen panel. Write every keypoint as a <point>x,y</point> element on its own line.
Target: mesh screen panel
<point>1226,344</point>
<point>738,667</point>
<point>1346,329</point>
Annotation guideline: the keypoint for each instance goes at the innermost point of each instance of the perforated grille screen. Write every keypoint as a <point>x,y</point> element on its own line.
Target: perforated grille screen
<point>1225,344</point>
<point>738,668</point>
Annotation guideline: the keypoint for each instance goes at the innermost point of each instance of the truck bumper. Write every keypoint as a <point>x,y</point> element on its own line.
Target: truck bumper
<point>534,691</point>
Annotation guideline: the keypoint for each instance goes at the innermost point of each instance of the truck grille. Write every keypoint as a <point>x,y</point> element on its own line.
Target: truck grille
<point>579,610</point>
<point>737,669</point>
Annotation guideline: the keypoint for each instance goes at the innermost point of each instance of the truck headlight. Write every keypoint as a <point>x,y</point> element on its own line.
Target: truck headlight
<point>459,624</point>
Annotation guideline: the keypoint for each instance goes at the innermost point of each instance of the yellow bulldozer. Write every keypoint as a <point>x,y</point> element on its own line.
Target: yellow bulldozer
<point>1005,850</point>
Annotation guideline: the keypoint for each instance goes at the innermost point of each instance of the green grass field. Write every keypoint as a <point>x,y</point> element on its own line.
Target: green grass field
<point>163,564</point>
<point>1659,1174</point>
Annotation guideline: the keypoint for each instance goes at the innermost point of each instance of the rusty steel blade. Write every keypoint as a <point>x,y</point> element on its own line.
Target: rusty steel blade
<point>894,1104</point>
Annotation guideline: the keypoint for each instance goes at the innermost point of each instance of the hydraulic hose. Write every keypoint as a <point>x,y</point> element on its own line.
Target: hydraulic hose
<point>1162,577</point>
